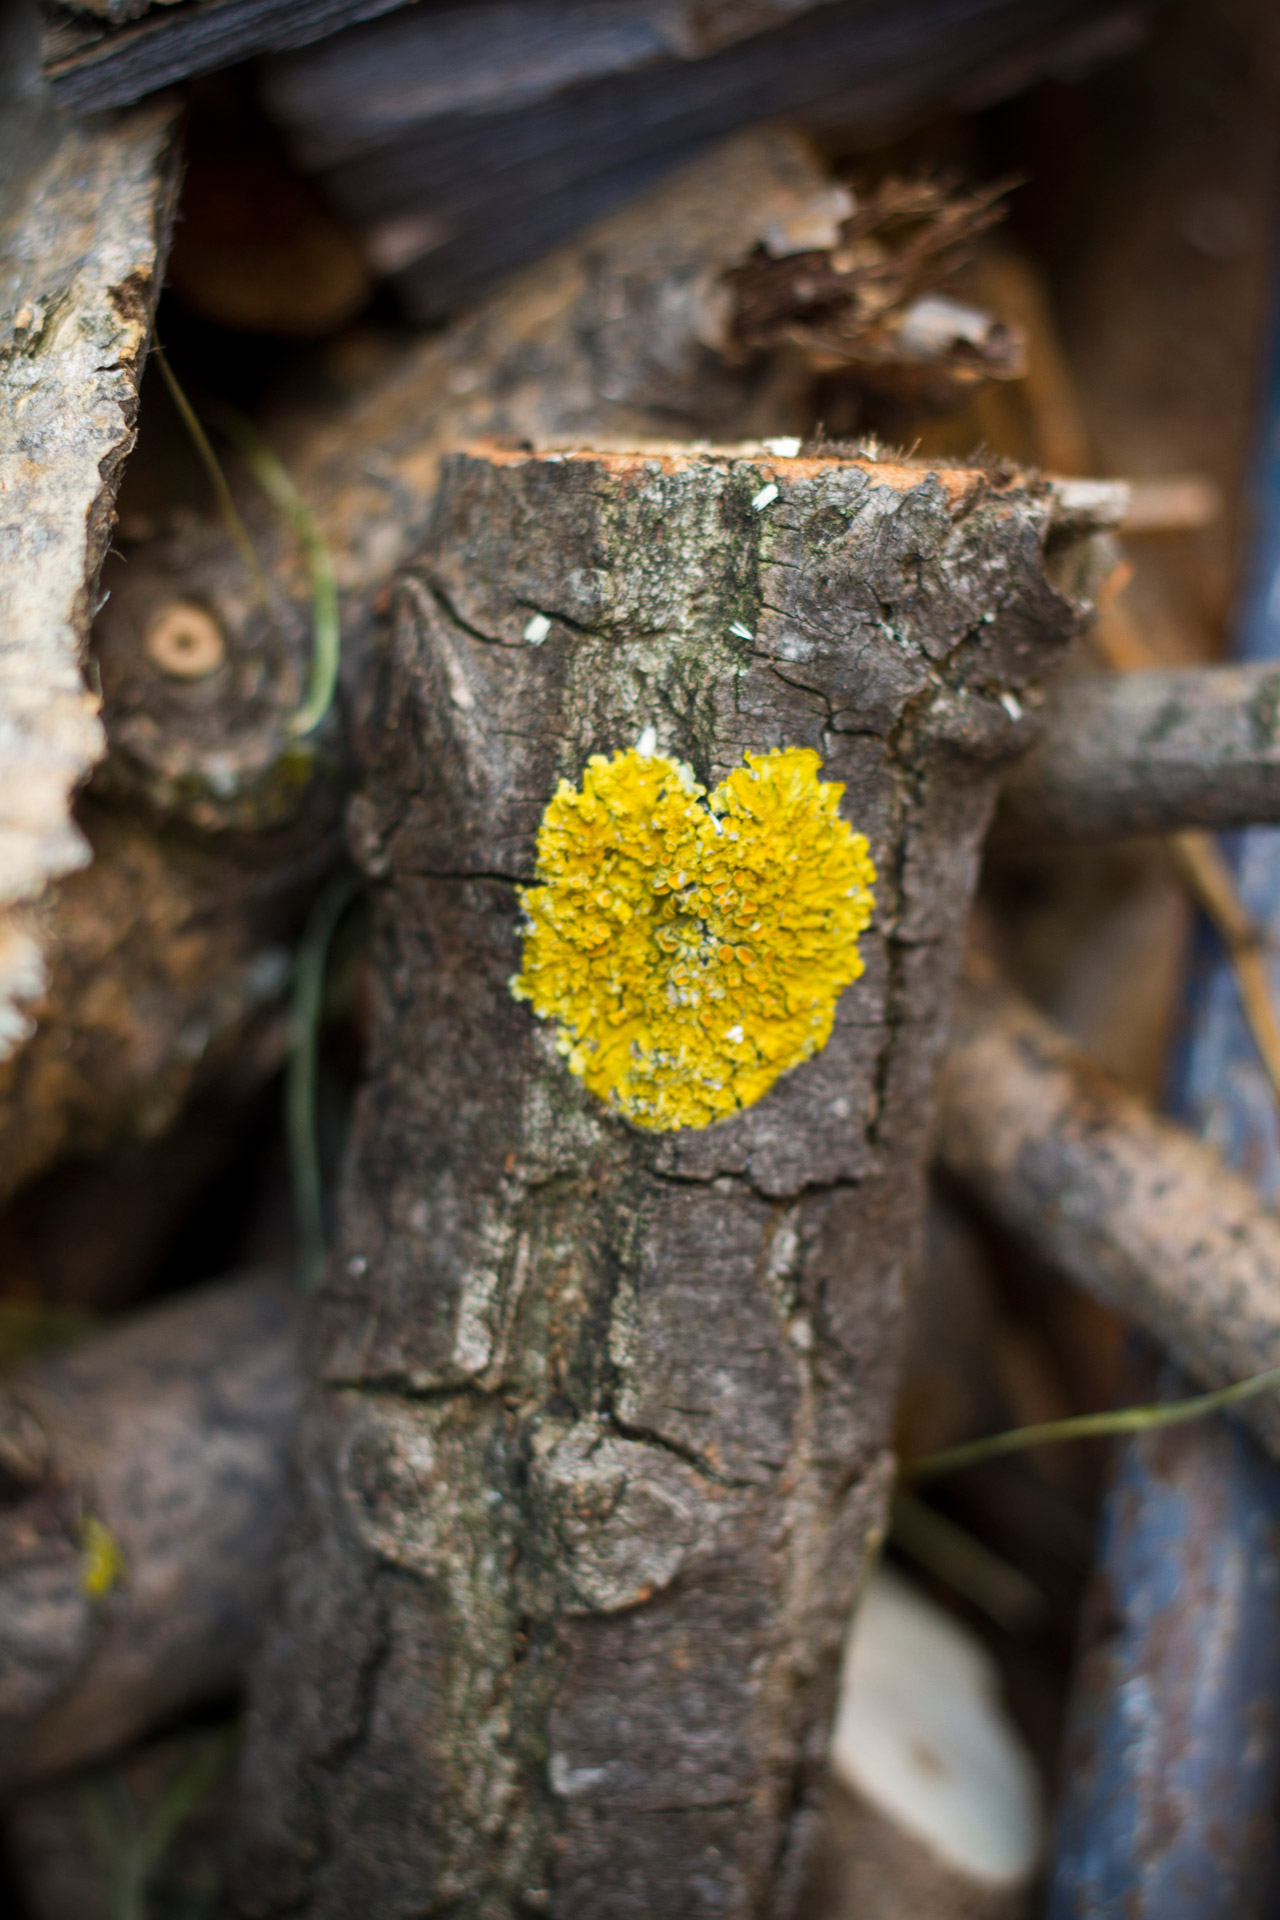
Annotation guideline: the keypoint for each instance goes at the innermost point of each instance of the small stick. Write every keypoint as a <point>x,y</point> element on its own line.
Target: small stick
<point>1132,1208</point>
<point>1065,444</point>
<point>1199,861</point>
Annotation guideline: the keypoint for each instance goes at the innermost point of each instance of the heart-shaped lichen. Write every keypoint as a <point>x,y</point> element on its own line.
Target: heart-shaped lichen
<point>691,953</point>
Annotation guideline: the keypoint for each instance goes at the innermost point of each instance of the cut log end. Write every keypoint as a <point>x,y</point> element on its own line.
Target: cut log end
<point>602,1444</point>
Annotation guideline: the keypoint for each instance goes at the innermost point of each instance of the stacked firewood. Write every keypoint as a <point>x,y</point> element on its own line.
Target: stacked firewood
<point>593,1425</point>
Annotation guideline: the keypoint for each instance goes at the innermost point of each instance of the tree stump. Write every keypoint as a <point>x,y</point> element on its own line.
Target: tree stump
<point>598,1445</point>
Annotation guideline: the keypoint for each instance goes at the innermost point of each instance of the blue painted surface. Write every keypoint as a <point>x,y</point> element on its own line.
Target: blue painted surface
<point>1176,1728</point>
<point>1174,1748</point>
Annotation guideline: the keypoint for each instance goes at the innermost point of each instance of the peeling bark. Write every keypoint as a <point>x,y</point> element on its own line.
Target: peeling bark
<point>82,241</point>
<point>599,1437</point>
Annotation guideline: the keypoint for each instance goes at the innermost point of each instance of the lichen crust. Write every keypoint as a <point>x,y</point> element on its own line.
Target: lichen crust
<point>691,953</point>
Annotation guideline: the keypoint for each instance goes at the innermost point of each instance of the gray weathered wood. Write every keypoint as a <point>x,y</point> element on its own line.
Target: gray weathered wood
<point>1132,1208</point>
<point>112,54</point>
<point>103,53</point>
<point>1152,752</point>
<point>598,1440</point>
<point>461,142</point>
<point>171,1431</point>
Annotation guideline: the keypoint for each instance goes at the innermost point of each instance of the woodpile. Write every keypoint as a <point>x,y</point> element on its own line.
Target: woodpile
<point>615,493</point>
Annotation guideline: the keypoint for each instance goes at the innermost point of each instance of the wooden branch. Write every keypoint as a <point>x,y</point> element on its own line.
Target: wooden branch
<point>1152,752</point>
<point>598,1448</point>
<point>104,55</point>
<point>136,964</point>
<point>171,1432</point>
<point>1131,1207</point>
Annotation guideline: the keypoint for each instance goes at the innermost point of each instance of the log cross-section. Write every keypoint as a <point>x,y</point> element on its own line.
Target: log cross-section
<point>598,1443</point>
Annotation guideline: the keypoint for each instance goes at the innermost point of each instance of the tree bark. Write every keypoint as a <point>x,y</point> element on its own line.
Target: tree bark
<point>1132,1208</point>
<point>171,1432</point>
<point>83,233</point>
<point>1151,752</point>
<point>208,825</point>
<point>137,961</point>
<point>599,1437</point>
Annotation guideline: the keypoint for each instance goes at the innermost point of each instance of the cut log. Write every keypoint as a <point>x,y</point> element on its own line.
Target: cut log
<point>1132,1208</point>
<point>1152,752</point>
<point>141,1506</point>
<point>635,333</point>
<point>598,1441</point>
<point>209,824</point>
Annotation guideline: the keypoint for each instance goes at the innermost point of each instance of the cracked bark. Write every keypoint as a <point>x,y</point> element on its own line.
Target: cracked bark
<point>159,968</point>
<point>83,235</point>
<point>598,1439</point>
<point>208,829</point>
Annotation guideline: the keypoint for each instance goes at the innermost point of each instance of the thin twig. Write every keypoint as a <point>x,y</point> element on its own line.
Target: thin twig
<point>310,970</point>
<point>1090,1426</point>
<point>278,485</point>
<point>237,532</point>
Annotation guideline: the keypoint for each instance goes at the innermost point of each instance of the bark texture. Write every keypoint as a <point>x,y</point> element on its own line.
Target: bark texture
<point>209,823</point>
<point>1152,752</point>
<point>139,961</point>
<point>1132,1208</point>
<point>83,233</point>
<point>598,1442</point>
<point>171,1432</point>
<point>626,334</point>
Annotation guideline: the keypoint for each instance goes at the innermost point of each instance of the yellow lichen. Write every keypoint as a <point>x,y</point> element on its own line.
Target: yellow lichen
<point>103,1566</point>
<point>691,953</point>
